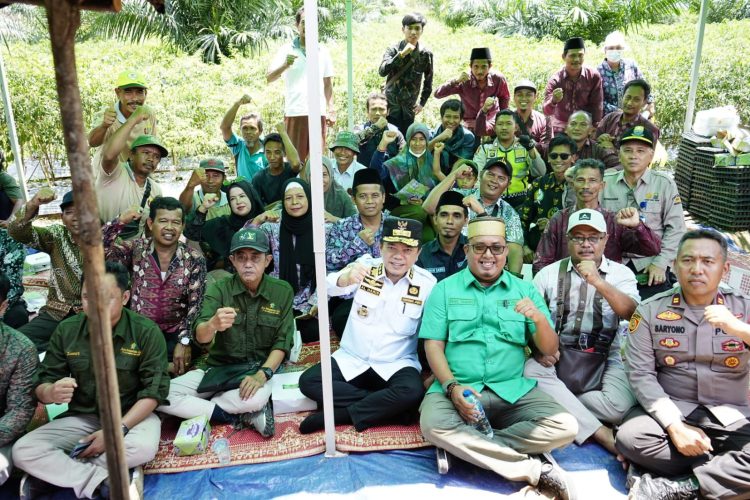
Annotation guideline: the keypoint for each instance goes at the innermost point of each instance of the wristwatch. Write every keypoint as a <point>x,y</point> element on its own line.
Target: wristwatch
<point>185,341</point>
<point>267,372</point>
<point>125,430</point>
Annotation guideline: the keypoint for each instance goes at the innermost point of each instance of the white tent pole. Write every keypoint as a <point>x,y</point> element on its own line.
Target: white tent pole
<point>695,72</point>
<point>12,131</point>
<point>316,186</point>
<point>349,66</point>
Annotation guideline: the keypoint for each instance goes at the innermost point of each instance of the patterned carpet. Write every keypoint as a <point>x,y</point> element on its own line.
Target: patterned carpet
<point>248,447</point>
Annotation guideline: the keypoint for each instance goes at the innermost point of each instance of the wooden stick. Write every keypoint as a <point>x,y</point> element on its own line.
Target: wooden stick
<point>64,19</point>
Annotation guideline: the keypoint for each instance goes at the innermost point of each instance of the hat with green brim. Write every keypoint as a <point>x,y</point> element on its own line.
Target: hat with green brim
<point>346,139</point>
<point>149,140</point>
<point>638,133</point>
<point>130,79</point>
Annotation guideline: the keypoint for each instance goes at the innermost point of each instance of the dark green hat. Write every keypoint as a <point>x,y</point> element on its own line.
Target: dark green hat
<point>149,140</point>
<point>212,164</point>
<point>67,200</point>
<point>249,238</point>
<point>346,139</point>
<point>639,133</point>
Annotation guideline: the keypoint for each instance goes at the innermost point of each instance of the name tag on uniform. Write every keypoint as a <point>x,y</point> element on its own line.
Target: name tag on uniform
<point>410,300</point>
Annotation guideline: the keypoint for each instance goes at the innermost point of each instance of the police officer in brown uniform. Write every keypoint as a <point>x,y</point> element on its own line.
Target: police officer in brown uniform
<point>687,361</point>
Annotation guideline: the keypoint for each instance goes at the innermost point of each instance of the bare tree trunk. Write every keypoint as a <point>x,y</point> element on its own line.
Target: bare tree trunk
<point>64,19</point>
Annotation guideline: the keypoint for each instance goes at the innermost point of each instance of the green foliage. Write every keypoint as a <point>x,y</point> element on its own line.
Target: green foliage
<point>561,19</point>
<point>191,97</point>
<point>723,10</point>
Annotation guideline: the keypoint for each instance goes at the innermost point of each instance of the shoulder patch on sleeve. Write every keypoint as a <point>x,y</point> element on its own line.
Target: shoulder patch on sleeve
<point>635,320</point>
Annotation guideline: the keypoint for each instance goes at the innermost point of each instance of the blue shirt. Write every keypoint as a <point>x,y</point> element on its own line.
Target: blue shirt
<point>247,164</point>
<point>441,265</point>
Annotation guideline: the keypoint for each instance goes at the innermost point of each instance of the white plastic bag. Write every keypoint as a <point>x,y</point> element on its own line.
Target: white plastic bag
<point>709,121</point>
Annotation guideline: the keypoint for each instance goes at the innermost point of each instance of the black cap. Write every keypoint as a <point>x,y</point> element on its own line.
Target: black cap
<point>638,133</point>
<point>480,53</point>
<point>450,198</point>
<point>500,163</point>
<point>366,176</point>
<point>574,43</point>
<point>67,200</point>
<point>406,231</point>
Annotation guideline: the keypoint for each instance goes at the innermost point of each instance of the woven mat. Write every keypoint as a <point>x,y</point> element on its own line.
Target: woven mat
<point>248,447</point>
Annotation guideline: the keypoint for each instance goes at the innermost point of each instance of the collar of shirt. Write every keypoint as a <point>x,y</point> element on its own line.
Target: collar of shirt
<point>238,288</point>
<point>434,246</point>
<point>120,117</point>
<point>584,74</point>
<point>121,329</point>
<point>474,83</point>
<point>645,178</point>
<point>603,267</point>
<point>470,280</point>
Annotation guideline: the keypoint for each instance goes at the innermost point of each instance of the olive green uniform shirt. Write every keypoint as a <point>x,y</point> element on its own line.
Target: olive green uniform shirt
<point>140,358</point>
<point>264,322</point>
<point>485,337</point>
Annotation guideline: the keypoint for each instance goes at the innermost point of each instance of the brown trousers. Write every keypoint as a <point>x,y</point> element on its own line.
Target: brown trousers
<point>296,127</point>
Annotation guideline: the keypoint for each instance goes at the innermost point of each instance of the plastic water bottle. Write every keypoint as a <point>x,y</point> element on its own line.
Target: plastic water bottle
<point>482,424</point>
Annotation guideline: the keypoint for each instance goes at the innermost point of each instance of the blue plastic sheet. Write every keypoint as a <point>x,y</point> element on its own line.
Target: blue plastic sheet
<point>380,474</point>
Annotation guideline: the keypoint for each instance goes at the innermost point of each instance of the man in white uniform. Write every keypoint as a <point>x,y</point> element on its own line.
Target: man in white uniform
<point>376,370</point>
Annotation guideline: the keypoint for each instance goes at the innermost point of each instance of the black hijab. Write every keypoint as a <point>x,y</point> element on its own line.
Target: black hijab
<point>218,232</point>
<point>291,252</point>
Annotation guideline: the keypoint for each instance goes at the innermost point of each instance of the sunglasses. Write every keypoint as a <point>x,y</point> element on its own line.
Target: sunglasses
<point>562,156</point>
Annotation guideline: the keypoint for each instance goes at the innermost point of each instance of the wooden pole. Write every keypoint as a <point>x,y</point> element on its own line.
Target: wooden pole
<point>64,18</point>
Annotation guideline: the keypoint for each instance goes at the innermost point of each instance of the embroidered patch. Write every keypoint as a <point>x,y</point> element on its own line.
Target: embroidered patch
<point>363,312</point>
<point>669,343</point>
<point>732,362</point>
<point>413,291</point>
<point>670,360</point>
<point>669,316</point>
<point>635,320</point>
<point>731,345</point>
<point>270,310</point>
<point>369,289</point>
<point>677,200</point>
<point>676,299</point>
<point>720,299</point>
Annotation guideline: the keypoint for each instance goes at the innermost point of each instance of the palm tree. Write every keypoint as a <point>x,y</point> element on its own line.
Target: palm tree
<point>23,23</point>
<point>214,28</point>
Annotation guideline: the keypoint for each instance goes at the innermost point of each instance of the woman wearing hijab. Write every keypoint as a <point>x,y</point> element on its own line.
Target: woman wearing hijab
<point>338,204</point>
<point>216,234</point>
<point>414,162</point>
<point>291,241</point>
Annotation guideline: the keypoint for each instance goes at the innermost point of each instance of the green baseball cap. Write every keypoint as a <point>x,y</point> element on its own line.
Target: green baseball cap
<point>212,164</point>
<point>149,140</point>
<point>346,139</point>
<point>249,238</point>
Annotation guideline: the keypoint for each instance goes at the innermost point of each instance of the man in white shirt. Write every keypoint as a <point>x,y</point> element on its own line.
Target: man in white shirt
<point>376,371</point>
<point>291,61</point>
<point>587,295</point>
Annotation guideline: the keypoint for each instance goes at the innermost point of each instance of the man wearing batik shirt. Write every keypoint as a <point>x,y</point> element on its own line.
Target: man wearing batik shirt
<point>483,93</point>
<point>169,278</point>
<point>18,361</point>
<point>572,88</point>
<point>404,65</point>
<point>610,129</point>
<point>487,200</point>
<point>546,194</point>
<point>357,235</point>
<point>61,242</point>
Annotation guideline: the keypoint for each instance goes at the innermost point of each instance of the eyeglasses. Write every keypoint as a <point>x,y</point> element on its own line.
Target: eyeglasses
<point>562,156</point>
<point>480,248</point>
<point>578,240</point>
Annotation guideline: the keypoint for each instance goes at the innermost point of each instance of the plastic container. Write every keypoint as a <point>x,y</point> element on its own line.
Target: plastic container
<point>222,451</point>
<point>482,424</point>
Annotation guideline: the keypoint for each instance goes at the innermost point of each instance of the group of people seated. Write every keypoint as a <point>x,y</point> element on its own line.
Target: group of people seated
<point>427,230</point>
